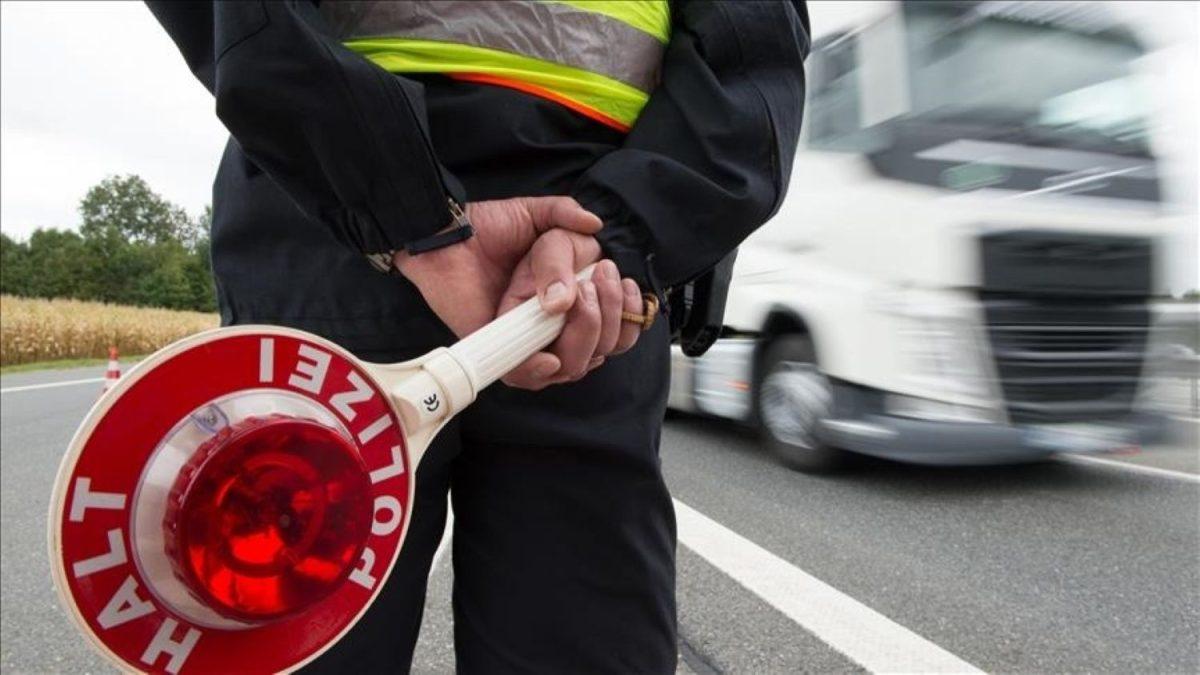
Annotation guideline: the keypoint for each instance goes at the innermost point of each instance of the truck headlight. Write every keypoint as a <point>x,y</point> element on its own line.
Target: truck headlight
<point>941,346</point>
<point>945,355</point>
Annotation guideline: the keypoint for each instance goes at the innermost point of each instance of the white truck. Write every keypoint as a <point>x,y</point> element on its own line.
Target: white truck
<point>963,269</point>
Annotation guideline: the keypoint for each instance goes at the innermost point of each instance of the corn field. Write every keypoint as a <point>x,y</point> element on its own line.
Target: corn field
<point>34,329</point>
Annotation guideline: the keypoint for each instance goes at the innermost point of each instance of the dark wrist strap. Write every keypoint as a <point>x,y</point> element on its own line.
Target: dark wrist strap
<point>440,240</point>
<point>459,230</point>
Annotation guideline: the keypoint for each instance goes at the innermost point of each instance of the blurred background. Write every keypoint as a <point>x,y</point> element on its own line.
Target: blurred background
<point>989,247</point>
<point>987,256</point>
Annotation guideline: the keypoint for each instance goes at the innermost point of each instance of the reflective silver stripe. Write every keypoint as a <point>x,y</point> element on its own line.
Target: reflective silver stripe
<point>542,30</point>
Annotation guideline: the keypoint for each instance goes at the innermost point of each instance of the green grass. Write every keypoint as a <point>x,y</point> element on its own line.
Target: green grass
<point>62,364</point>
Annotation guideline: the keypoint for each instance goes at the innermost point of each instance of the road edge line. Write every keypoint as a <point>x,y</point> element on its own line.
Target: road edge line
<point>50,385</point>
<point>1127,466</point>
<point>862,634</point>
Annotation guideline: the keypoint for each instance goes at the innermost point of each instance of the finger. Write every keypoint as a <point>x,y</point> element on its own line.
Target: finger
<point>535,373</point>
<point>553,260</point>
<point>577,343</point>
<point>608,288</point>
<point>550,212</point>
<point>520,288</point>
<point>592,365</point>
<point>633,304</point>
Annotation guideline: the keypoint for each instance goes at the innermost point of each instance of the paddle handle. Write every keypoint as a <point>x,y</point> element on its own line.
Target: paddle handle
<point>491,352</point>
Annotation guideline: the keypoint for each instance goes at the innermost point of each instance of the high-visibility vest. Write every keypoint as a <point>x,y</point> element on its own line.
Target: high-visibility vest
<point>599,58</point>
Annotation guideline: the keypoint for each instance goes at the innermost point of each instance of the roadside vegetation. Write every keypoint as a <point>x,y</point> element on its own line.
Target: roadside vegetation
<point>130,247</point>
<point>34,330</point>
<point>133,273</point>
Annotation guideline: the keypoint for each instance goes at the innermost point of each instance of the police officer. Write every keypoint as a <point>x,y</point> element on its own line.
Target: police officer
<point>398,173</point>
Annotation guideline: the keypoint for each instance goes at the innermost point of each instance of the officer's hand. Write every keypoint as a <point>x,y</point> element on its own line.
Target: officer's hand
<point>593,329</point>
<point>463,283</point>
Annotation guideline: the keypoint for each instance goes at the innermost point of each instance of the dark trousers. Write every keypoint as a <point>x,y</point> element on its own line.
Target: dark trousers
<point>563,539</point>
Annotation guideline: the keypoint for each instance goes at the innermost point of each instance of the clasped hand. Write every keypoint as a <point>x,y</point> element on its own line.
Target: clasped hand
<point>528,246</point>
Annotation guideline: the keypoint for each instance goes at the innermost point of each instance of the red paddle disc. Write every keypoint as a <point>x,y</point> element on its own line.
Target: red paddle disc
<point>234,503</point>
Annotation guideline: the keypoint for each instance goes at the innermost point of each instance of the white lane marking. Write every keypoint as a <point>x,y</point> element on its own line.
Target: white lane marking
<point>1134,468</point>
<point>50,385</point>
<point>444,544</point>
<point>867,637</point>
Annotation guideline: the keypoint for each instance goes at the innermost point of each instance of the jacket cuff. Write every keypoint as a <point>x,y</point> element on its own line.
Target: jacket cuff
<point>380,243</point>
<point>622,240</point>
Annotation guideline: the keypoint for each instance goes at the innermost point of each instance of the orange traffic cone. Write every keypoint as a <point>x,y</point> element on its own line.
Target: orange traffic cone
<point>114,369</point>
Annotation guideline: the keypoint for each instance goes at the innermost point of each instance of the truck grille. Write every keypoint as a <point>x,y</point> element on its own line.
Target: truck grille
<point>1067,318</point>
<point>1063,361</point>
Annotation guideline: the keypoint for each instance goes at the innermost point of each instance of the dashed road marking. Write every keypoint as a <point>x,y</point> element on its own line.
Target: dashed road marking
<point>862,634</point>
<point>50,385</point>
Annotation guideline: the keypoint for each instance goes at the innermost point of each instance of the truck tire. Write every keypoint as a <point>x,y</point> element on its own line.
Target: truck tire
<point>791,398</point>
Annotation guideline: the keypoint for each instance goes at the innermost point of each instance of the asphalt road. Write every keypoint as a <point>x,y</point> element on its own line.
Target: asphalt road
<point>1053,567</point>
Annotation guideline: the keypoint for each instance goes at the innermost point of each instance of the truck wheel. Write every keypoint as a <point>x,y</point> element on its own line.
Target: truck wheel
<point>792,397</point>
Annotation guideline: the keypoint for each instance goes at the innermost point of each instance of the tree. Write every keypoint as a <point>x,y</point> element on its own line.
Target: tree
<point>133,247</point>
<point>14,266</point>
<point>56,260</point>
<point>125,207</point>
<point>166,284</point>
<point>199,273</point>
<point>198,268</point>
<point>203,225</point>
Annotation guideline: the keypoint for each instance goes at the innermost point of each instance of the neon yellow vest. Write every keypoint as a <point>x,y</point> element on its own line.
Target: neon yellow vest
<point>599,58</point>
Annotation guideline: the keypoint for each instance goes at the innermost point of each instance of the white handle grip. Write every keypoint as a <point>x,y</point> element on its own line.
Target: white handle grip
<point>491,352</point>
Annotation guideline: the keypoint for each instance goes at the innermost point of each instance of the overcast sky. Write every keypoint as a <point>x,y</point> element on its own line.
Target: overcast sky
<point>96,88</point>
<point>92,89</point>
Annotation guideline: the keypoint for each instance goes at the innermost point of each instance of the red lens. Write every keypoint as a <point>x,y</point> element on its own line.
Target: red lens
<point>268,517</point>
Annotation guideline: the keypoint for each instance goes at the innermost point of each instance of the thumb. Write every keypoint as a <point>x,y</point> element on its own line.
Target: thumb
<point>554,259</point>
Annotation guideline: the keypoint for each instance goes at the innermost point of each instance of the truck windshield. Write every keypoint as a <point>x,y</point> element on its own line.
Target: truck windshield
<point>1050,84</point>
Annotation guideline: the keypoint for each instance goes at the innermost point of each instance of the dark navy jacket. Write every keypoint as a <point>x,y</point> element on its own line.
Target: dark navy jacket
<point>332,157</point>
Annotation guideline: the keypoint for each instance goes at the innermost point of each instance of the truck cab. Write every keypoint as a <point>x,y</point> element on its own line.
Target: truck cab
<point>963,268</point>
